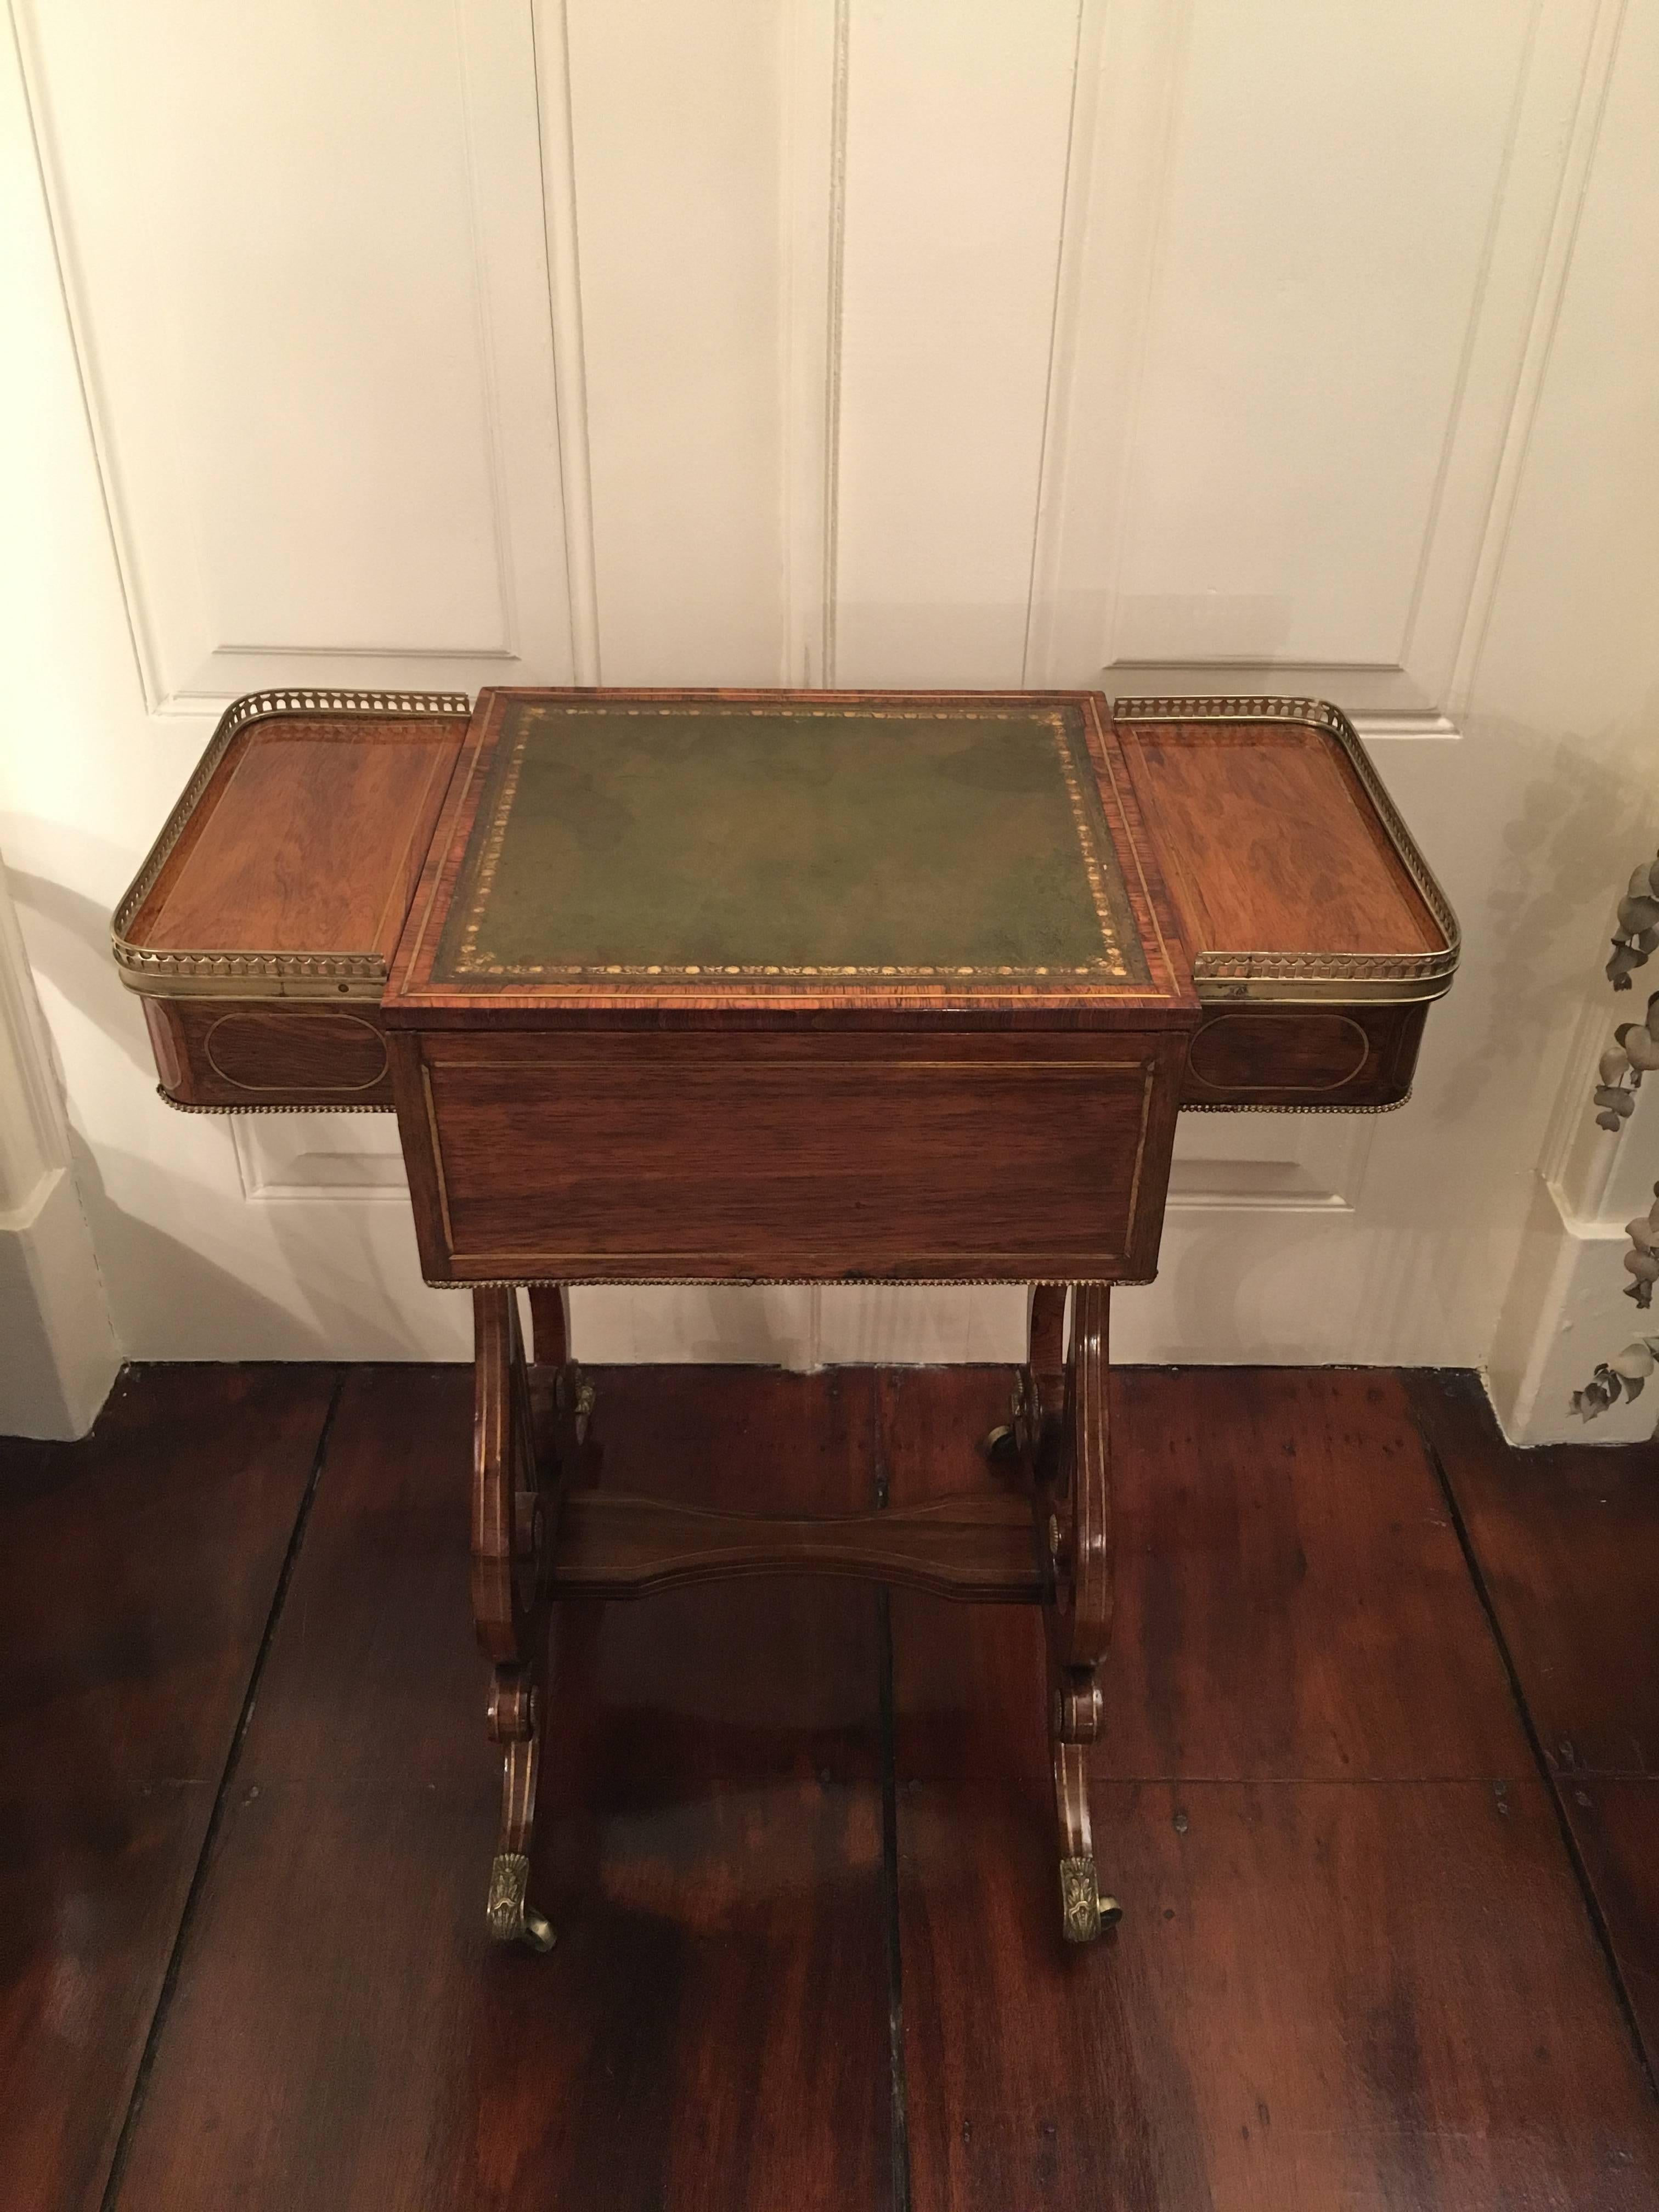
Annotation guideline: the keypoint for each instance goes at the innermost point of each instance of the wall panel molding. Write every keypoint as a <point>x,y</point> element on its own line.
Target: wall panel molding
<point>1590,37</point>
<point>408,337</point>
<point>1499,187</point>
<point>813,189</point>
<point>550,33</point>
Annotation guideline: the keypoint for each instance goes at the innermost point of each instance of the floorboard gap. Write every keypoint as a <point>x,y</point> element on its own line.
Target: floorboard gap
<point>898,2089</point>
<point>1546,1774</point>
<point>900,2102</point>
<point>215,1819</point>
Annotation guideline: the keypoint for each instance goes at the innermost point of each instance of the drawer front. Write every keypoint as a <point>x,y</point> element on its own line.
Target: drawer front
<point>1332,1056</point>
<point>230,1052</point>
<point>824,1159</point>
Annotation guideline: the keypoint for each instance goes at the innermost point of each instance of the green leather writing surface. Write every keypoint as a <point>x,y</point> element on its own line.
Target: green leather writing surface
<point>696,839</point>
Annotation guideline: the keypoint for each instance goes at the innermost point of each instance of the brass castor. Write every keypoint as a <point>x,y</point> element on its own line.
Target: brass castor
<point>513,1918</point>
<point>1084,1912</point>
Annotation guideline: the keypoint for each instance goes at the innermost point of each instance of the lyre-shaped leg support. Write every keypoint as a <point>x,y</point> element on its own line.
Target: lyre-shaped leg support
<point>1064,1431</point>
<point>525,1435</point>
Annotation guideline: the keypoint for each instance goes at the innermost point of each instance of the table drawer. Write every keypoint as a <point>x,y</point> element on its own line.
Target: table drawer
<point>261,1052</point>
<point>1332,1056</point>
<point>820,1157</point>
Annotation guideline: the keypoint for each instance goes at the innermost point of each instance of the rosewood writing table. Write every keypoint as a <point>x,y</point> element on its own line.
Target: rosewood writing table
<point>752,986</point>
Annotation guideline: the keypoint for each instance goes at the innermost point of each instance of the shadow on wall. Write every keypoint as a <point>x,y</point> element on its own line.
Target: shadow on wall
<point>69,944</point>
<point>1560,866</point>
<point>344,1275</point>
<point>171,1275</point>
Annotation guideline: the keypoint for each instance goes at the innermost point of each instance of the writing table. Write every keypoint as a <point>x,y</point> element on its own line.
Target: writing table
<point>759,987</point>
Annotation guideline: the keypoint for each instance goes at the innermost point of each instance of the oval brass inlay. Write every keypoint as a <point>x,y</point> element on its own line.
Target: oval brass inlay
<point>1262,1051</point>
<point>332,1052</point>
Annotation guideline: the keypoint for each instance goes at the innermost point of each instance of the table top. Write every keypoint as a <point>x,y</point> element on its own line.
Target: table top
<point>734,851</point>
<point>615,859</point>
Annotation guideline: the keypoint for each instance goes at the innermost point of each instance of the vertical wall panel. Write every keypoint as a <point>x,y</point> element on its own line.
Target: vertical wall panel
<point>1330,189</point>
<point>303,253</point>
<point>678,118</point>
<point>1311,265</point>
<point>958,116</point>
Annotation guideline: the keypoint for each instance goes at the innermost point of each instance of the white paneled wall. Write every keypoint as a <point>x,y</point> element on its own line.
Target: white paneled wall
<point>1151,344</point>
<point>1308,255</point>
<point>679,121</point>
<point>957,127</point>
<point>303,255</point>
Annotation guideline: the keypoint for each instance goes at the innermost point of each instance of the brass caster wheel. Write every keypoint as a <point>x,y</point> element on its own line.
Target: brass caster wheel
<point>1083,1910</point>
<point>513,1918</point>
<point>1000,1445</point>
<point>577,1397</point>
<point>538,1934</point>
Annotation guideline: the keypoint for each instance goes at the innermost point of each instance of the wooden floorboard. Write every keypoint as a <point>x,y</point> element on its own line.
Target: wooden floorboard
<point>1292,1599</point>
<point>1363,1995</point>
<point>1356,1967</point>
<point>709,1846</point>
<point>1363,1963</point>
<point>1564,1540</point>
<point>137,1574</point>
<point>1615,1826</point>
<point>1567,1537</point>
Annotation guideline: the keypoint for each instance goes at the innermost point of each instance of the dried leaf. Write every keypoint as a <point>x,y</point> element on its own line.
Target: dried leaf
<point>1613,1063</point>
<point>1634,1363</point>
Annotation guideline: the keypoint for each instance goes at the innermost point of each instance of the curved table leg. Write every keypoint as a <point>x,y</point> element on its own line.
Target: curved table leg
<point>1067,1446</point>
<point>518,1451</point>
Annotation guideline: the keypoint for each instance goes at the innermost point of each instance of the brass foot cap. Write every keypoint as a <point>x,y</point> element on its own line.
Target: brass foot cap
<point>512,1918</point>
<point>1083,1910</point>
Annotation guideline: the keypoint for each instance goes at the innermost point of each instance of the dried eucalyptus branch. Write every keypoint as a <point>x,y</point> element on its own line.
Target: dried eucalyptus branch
<point>1624,1375</point>
<point>1633,1053</point>
<point>1637,934</point>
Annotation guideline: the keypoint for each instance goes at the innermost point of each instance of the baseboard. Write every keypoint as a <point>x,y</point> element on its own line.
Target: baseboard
<point>60,1357</point>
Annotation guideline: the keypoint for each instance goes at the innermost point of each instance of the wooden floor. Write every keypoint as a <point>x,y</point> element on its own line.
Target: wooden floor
<point>1379,1790</point>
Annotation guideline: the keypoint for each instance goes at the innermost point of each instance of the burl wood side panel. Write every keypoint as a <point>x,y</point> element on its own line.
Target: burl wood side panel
<point>270,1052</point>
<point>839,1157</point>
<point>1331,1056</point>
<point>309,838</point>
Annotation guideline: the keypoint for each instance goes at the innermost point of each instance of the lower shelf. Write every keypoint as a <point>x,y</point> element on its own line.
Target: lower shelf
<point>974,1545</point>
